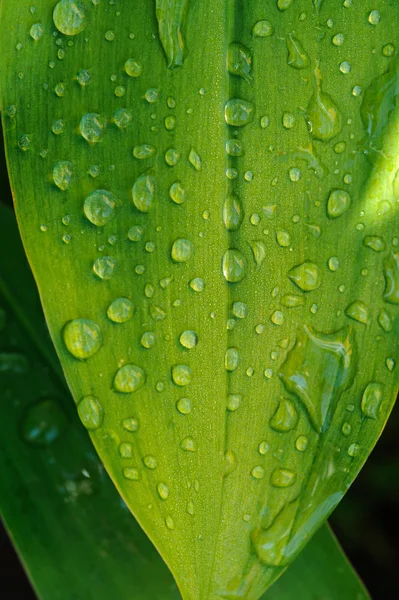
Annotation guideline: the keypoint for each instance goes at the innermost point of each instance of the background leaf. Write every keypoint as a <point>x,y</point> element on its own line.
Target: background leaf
<point>314,362</point>
<point>72,531</point>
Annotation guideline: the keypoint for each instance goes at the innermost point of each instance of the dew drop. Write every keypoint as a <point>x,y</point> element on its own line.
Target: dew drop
<point>188,339</point>
<point>120,311</point>
<point>240,310</point>
<point>92,127</point>
<point>239,61</point>
<point>358,311</point>
<point>188,444</point>
<point>150,462</point>
<point>181,375</point>
<point>262,29</point>
<point>148,340</point>
<point>232,359</point>
<point>130,424</point>
<point>182,250</point>
<point>238,112</point>
<point>129,378</point>
<point>353,450</point>
<point>144,151</point>
<point>62,174</point>
<point>163,490</point>
<point>306,276</point>
<point>133,67</point>
<point>99,207</point>
<point>82,338</point>
<point>233,402</point>
<point>297,57</point>
<point>91,412</point>
<point>197,284</point>
<point>234,265</point>
<point>131,473</point>
<point>301,443</point>
<point>143,192</point>
<point>371,400</point>
<point>184,406</point>
<point>177,192</point>
<point>125,450</point>
<point>258,472</point>
<point>70,16</point>
<point>36,31</point>
<point>283,478</point>
<point>104,267</point>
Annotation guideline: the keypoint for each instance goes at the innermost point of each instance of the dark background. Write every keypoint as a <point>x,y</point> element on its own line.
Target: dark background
<point>365,521</point>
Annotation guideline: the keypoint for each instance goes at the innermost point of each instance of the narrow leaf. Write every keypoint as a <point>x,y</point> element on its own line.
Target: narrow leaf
<point>253,339</point>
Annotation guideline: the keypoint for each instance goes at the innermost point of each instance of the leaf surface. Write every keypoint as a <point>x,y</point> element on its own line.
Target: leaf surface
<point>215,249</point>
<point>75,536</point>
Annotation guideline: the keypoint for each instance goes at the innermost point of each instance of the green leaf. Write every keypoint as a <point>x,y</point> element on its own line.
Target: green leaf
<point>216,254</point>
<point>74,535</point>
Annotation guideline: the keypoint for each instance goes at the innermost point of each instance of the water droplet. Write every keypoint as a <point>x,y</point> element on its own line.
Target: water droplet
<point>297,57</point>
<point>58,126</point>
<point>144,151</point>
<point>333,263</point>
<point>346,429</point>
<point>70,16</point>
<point>43,422</point>
<point>184,406</point>
<point>259,251</point>
<point>62,174</point>
<point>129,378</point>
<point>151,95</point>
<point>188,445</point>
<point>283,478</point>
<point>233,402</point>
<point>286,417</point>
<point>104,267</point>
<point>169,522</point>
<point>197,284</point>
<point>36,31</point>
<point>92,127</point>
<point>170,122</point>
<point>232,359</point>
<point>240,310</point>
<point>345,67</point>
<point>262,29</point>
<point>371,400</point>
<point>189,339</point>
<point>306,276</point>
<point>24,142</point>
<point>301,443</point>
<point>130,424</point>
<point>195,159</point>
<point>120,311</point>
<point>238,112</point>
<point>133,67</point>
<point>385,320</point>
<point>234,266</point>
<point>83,77</point>
<point>270,544</point>
<point>388,50</point>
<point>288,120</point>
<point>181,375</point>
<point>239,61</point>
<point>391,273</point>
<point>125,450</point>
<point>82,338</point>
<point>338,39</point>
<point>283,238</point>
<point>295,174</point>
<point>258,472</point>
<point>390,364</point>
<point>263,448</point>
<point>150,462</point>
<point>91,412</point>
<point>374,242</point>
<point>163,490</point>
<point>374,17</point>
<point>233,213</point>
<point>284,4</point>
<point>143,192</point>
<point>322,116</point>
<point>182,250</point>
<point>234,147</point>
<point>131,473</point>
<point>353,450</point>
<point>277,317</point>
<point>99,207</point>
<point>135,233</point>
<point>358,311</point>
<point>109,35</point>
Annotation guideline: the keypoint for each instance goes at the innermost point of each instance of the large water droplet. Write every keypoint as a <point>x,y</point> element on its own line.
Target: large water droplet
<point>286,417</point>
<point>322,115</point>
<point>99,207</point>
<point>297,57</point>
<point>338,203</point>
<point>129,378</point>
<point>120,311</point>
<point>91,412</point>
<point>82,338</point>
<point>234,265</point>
<point>239,61</point>
<point>306,276</point>
<point>283,478</point>
<point>62,174</point>
<point>92,127</point>
<point>391,273</point>
<point>371,400</point>
<point>104,267</point>
<point>43,423</point>
<point>239,112</point>
<point>70,16</point>
<point>182,250</point>
<point>233,213</point>
<point>181,375</point>
<point>143,192</point>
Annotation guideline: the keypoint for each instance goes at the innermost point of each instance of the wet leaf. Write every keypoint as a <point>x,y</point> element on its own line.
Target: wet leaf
<point>288,302</point>
<point>72,531</point>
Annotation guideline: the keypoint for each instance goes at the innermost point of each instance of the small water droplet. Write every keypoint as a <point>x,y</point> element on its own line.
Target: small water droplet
<point>70,17</point>
<point>234,265</point>
<point>239,61</point>
<point>197,284</point>
<point>181,375</point>
<point>301,443</point>
<point>240,310</point>
<point>120,311</point>
<point>233,402</point>
<point>188,444</point>
<point>188,339</point>
<point>353,450</point>
<point>150,462</point>
<point>262,29</point>
<point>62,174</point>
<point>131,473</point>
<point>306,276</point>
<point>283,478</point>
<point>104,267</point>
<point>133,67</point>
<point>91,412</point>
<point>374,17</point>
<point>163,490</point>
<point>358,311</point>
<point>258,472</point>
<point>143,192</point>
<point>92,127</point>
<point>182,250</point>
<point>239,112</point>
<point>99,207</point>
<point>36,31</point>
<point>184,406</point>
<point>195,159</point>
<point>232,359</point>
<point>297,57</point>
<point>371,400</point>
<point>130,424</point>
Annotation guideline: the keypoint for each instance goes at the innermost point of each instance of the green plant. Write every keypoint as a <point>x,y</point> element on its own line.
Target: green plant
<point>212,236</point>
